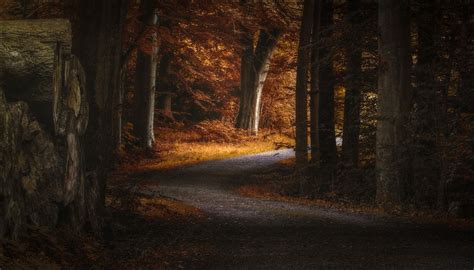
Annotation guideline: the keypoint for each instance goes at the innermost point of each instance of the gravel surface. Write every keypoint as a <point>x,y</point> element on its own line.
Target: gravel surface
<point>250,233</point>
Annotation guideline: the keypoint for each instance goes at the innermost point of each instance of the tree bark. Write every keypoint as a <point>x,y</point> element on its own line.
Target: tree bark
<point>394,103</point>
<point>42,176</point>
<point>146,70</point>
<point>426,162</point>
<point>254,69</point>
<point>97,43</point>
<point>304,50</point>
<point>165,87</point>
<point>350,142</point>
<point>327,134</point>
<point>314,94</point>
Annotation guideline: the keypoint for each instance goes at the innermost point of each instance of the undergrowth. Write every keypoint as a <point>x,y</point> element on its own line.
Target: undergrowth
<point>282,183</point>
<point>178,145</point>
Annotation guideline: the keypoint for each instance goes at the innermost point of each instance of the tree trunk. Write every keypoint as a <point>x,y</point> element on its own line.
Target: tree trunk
<point>254,70</point>
<point>247,79</point>
<point>394,103</point>
<point>350,142</point>
<point>41,153</point>
<point>304,51</point>
<point>165,85</point>
<point>97,43</point>
<point>146,70</point>
<point>327,134</point>
<point>426,162</point>
<point>314,94</point>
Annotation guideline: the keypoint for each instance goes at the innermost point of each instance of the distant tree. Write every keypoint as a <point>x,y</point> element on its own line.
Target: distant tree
<point>351,128</point>
<point>304,50</point>
<point>255,63</point>
<point>146,71</point>
<point>327,134</point>
<point>394,103</point>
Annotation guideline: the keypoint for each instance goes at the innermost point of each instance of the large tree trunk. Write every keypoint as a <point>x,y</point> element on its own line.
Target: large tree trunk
<point>97,43</point>
<point>254,70</point>
<point>327,134</point>
<point>41,153</point>
<point>394,103</point>
<point>304,50</point>
<point>426,162</point>
<point>350,142</point>
<point>146,69</point>
<point>314,94</point>
<point>247,79</point>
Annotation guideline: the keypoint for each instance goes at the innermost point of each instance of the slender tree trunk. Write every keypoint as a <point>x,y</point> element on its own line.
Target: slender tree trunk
<point>327,134</point>
<point>254,70</point>
<point>146,79</point>
<point>97,43</point>
<point>426,161</point>
<point>314,94</point>
<point>302,69</point>
<point>394,103</point>
<point>350,142</point>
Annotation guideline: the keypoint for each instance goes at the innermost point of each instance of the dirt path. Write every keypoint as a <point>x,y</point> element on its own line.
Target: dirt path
<point>249,233</point>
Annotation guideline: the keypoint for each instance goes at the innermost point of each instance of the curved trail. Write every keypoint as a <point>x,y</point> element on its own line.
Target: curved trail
<point>249,233</point>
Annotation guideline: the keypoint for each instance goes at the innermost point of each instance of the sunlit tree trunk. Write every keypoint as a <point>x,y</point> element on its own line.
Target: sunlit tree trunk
<point>327,134</point>
<point>254,70</point>
<point>146,70</point>
<point>302,69</point>
<point>97,42</point>
<point>350,142</point>
<point>394,103</point>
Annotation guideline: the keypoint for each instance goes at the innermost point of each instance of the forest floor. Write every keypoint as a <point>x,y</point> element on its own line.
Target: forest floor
<point>196,217</point>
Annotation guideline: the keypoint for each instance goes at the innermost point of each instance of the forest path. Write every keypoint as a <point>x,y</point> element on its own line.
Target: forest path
<point>249,233</point>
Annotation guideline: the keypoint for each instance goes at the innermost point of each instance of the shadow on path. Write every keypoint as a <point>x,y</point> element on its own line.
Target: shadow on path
<point>250,233</point>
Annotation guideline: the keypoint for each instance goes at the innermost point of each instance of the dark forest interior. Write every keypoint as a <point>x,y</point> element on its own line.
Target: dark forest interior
<point>250,134</point>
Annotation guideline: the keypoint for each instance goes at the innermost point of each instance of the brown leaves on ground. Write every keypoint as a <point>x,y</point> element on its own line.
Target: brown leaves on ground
<point>153,232</point>
<point>44,249</point>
